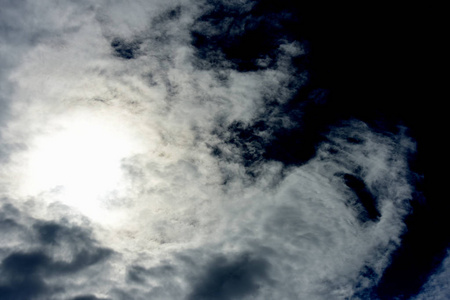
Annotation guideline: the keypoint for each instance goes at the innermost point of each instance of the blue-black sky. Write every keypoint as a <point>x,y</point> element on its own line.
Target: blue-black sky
<point>216,150</point>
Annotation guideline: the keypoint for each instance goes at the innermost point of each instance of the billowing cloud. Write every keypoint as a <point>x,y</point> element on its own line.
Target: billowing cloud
<point>181,150</point>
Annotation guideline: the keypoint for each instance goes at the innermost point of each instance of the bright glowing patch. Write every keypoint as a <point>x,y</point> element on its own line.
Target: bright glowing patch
<point>79,160</point>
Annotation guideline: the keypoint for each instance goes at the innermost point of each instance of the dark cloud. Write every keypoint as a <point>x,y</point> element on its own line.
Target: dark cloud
<point>235,278</point>
<point>27,267</point>
<point>22,276</point>
<point>136,274</point>
<point>88,297</point>
<point>124,49</point>
<point>55,233</point>
<point>48,232</point>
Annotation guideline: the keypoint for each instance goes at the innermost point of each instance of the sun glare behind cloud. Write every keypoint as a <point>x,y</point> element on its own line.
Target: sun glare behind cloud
<point>79,160</point>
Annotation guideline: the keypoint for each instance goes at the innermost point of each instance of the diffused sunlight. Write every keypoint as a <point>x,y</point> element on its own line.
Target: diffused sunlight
<point>80,162</point>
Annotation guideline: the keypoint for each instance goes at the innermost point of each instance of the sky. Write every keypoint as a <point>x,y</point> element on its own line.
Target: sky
<point>234,149</point>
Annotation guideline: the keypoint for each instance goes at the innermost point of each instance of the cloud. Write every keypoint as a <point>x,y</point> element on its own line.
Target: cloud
<point>236,177</point>
<point>228,280</point>
<point>21,278</point>
<point>438,285</point>
<point>40,259</point>
<point>87,297</point>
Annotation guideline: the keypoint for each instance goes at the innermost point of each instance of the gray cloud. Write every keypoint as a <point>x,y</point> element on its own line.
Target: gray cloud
<point>87,297</point>
<point>225,279</point>
<point>41,258</point>
<point>213,202</point>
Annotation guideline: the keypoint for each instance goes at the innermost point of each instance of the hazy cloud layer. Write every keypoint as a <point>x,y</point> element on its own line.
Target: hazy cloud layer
<point>222,191</point>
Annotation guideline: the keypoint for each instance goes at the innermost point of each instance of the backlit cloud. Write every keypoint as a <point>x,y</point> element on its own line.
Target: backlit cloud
<point>176,150</point>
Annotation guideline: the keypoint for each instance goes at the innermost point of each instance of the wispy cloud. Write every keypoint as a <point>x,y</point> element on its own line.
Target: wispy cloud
<point>229,190</point>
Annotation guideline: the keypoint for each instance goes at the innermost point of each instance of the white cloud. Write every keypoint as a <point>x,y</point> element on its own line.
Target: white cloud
<point>176,216</point>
